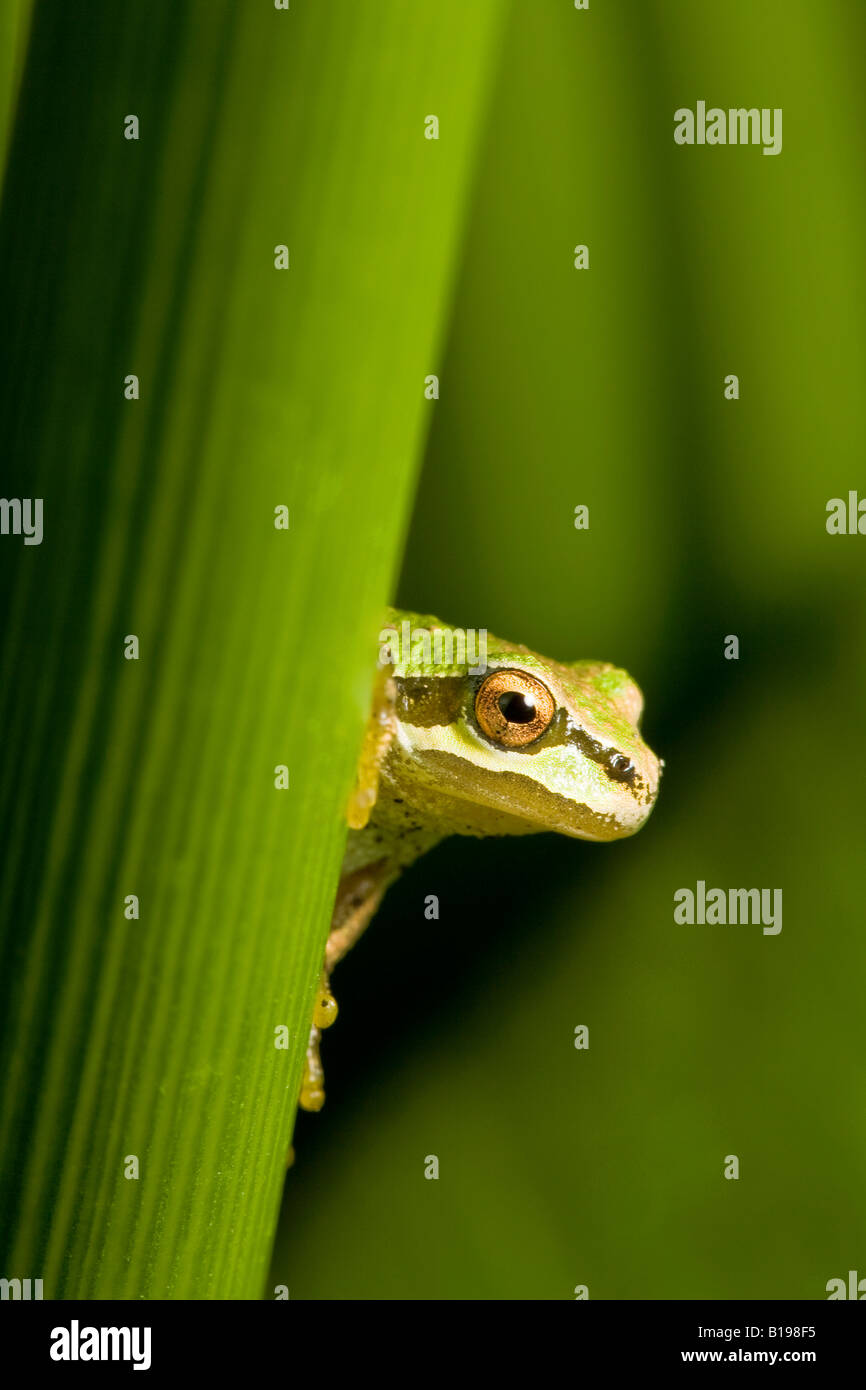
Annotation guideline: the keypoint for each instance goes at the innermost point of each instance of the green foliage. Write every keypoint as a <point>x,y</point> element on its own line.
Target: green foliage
<point>154,1036</point>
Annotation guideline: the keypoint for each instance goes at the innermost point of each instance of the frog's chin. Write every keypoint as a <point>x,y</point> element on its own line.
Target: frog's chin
<point>576,820</point>
<point>573,819</point>
<point>468,802</point>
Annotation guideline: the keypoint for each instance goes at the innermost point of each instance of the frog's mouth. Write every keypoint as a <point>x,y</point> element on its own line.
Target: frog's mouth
<point>506,802</point>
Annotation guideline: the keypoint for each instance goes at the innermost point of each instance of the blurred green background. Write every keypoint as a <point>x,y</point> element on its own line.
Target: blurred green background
<point>707,518</point>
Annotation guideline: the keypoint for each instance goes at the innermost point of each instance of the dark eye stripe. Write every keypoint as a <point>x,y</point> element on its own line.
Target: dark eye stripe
<point>618,766</point>
<point>430,701</point>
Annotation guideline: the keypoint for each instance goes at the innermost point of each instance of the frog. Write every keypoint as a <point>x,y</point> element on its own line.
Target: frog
<point>478,739</point>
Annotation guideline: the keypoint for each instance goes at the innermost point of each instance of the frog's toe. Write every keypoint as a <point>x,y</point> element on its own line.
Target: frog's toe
<point>325,1010</point>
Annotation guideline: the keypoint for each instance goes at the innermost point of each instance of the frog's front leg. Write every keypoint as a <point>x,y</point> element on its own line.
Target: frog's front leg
<point>358,897</point>
<point>360,890</point>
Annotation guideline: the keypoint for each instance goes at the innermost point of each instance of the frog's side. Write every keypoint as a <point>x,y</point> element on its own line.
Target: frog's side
<point>526,746</point>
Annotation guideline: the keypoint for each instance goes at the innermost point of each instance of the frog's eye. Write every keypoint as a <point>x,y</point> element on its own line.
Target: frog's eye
<point>513,708</point>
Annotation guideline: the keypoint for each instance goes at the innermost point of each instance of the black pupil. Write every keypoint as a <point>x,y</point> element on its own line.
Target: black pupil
<point>516,708</point>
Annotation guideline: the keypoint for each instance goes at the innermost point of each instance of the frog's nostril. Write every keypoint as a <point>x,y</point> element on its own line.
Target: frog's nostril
<point>622,768</point>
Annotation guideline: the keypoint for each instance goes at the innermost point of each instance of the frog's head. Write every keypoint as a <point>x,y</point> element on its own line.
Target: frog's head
<point>526,745</point>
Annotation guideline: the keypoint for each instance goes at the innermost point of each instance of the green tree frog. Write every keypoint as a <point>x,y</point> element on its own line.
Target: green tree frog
<point>512,744</point>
